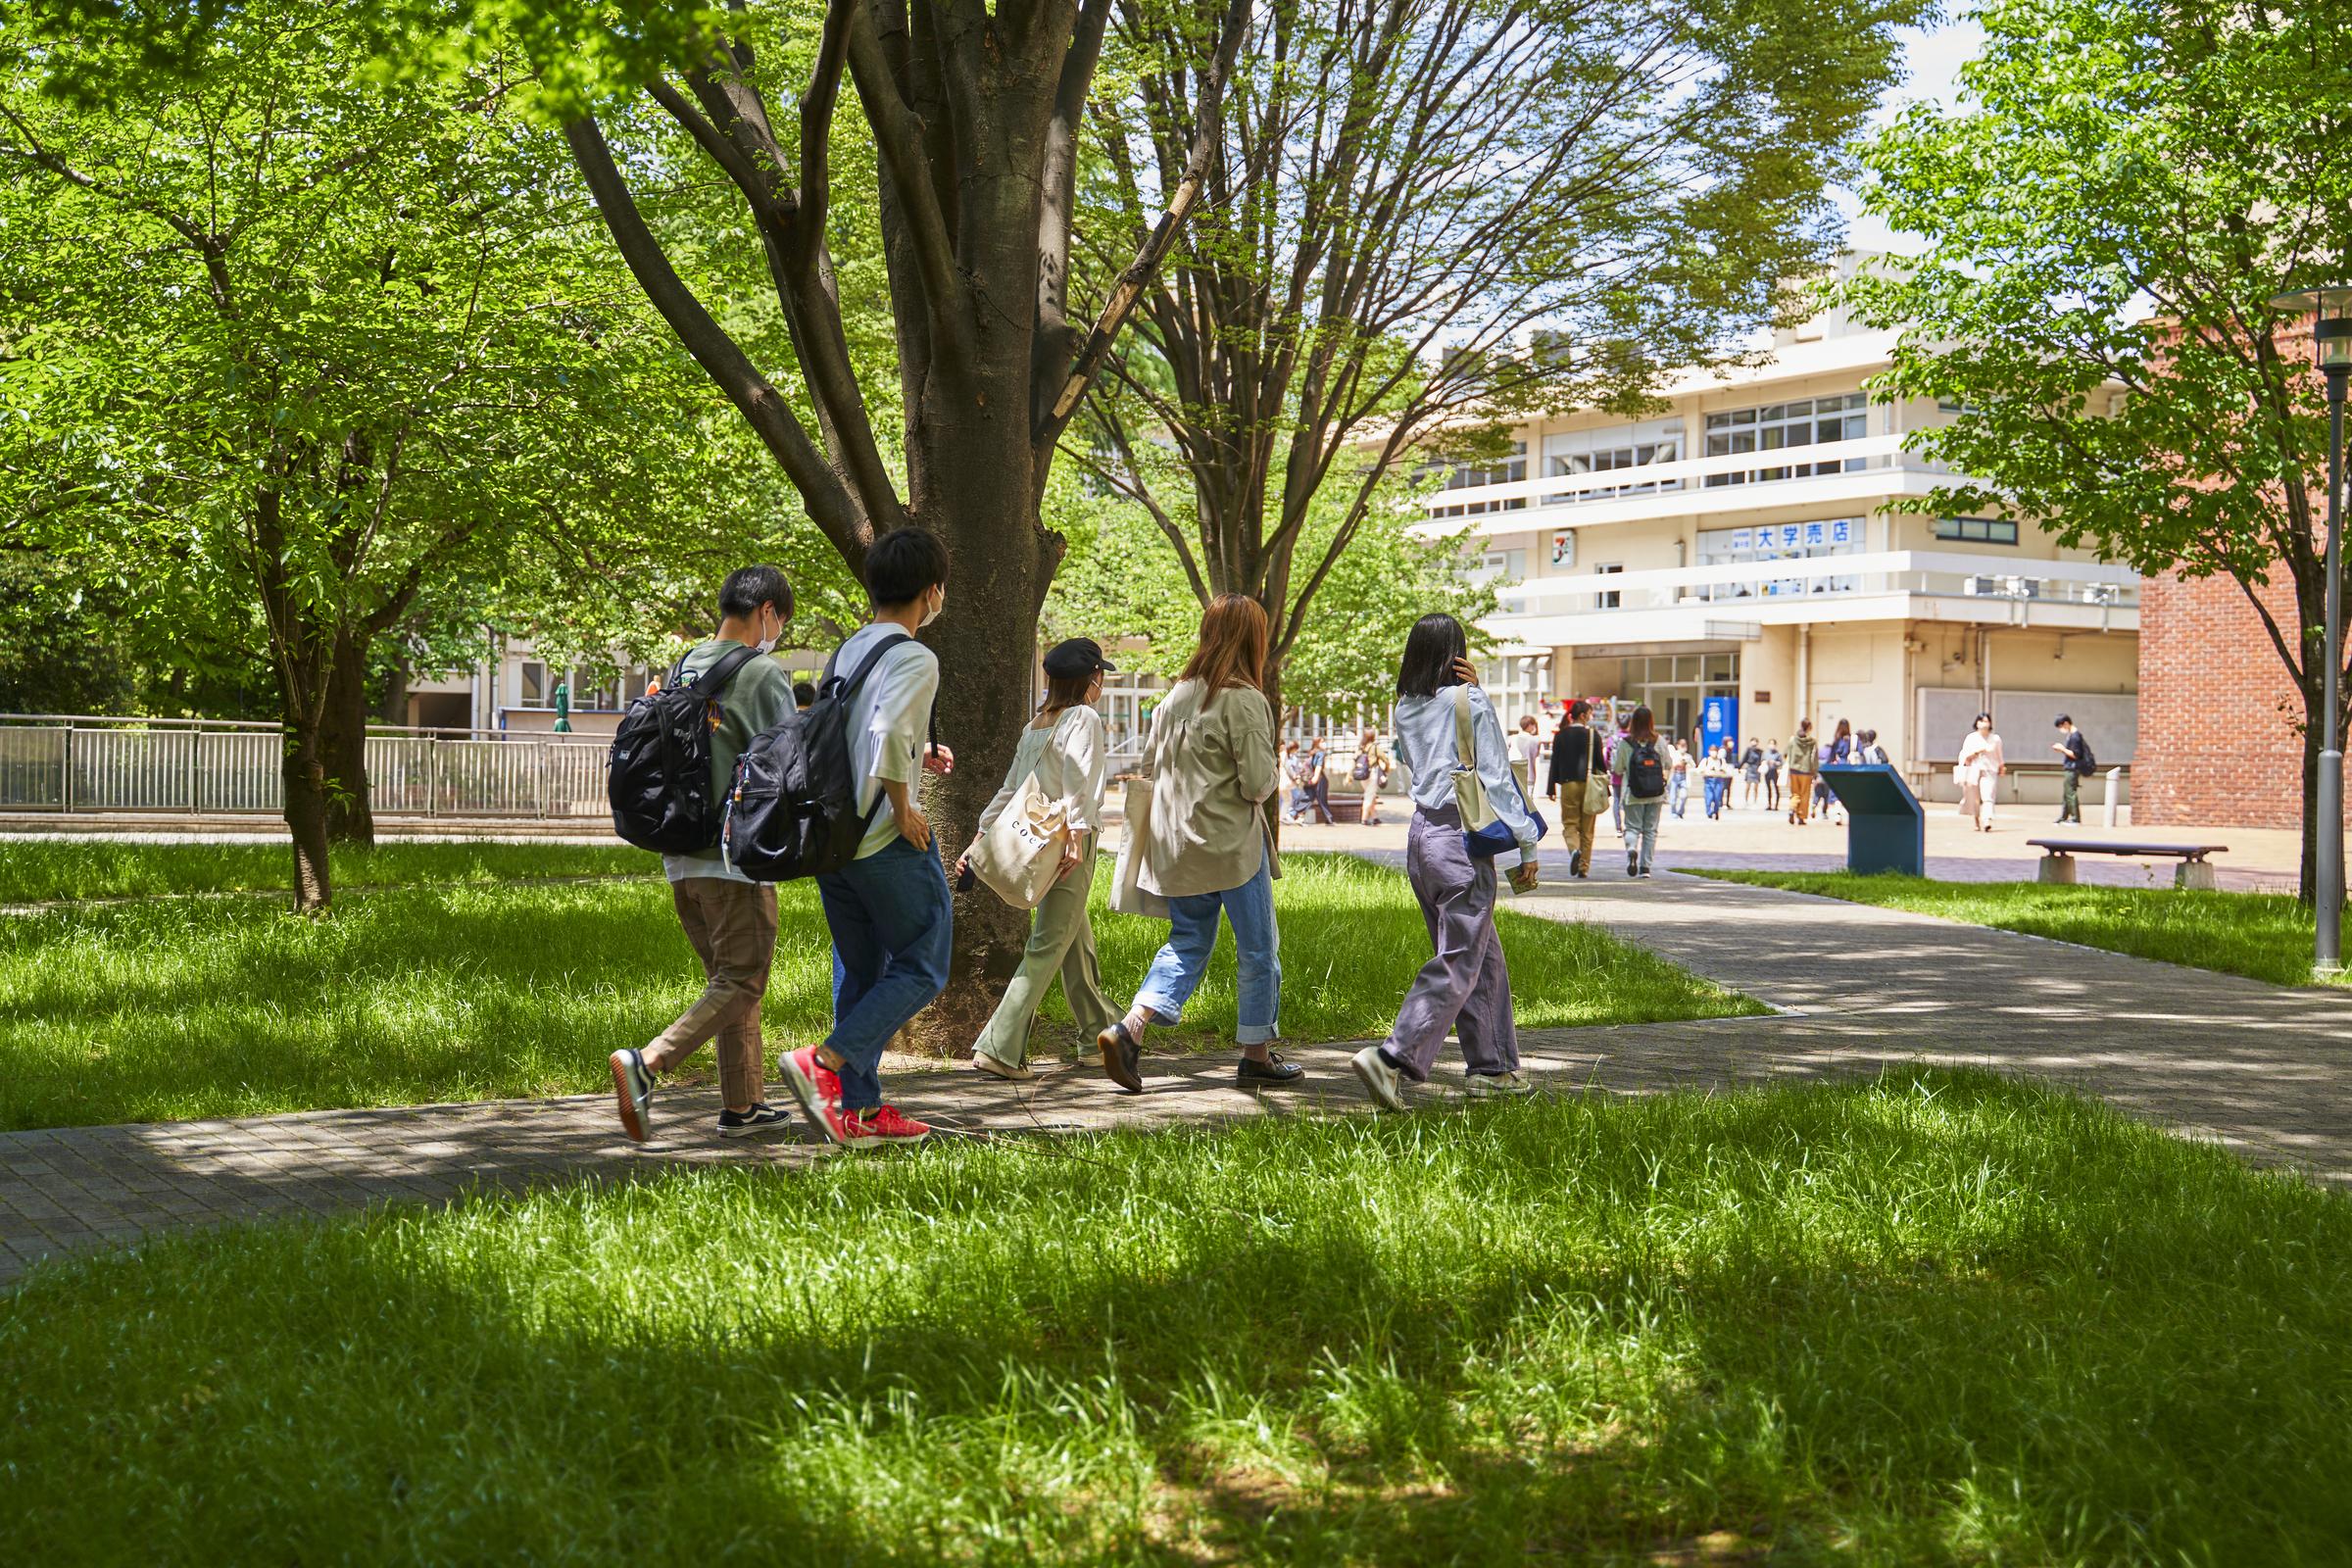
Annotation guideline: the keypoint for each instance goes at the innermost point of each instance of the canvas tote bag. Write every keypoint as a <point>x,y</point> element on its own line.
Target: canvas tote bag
<point>1018,856</point>
<point>1128,895</point>
<point>1469,790</point>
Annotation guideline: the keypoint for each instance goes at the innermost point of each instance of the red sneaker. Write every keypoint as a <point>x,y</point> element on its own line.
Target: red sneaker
<point>817,1088</point>
<point>881,1128</point>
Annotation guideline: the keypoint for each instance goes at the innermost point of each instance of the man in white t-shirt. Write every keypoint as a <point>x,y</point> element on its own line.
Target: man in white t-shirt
<point>889,907</point>
<point>1527,750</point>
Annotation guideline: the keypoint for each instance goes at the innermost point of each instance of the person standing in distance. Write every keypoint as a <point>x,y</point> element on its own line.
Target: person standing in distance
<point>1065,746</point>
<point>729,921</point>
<point>1210,760</point>
<point>1465,988</point>
<point>2074,754</point>
<point>888,909</point>
<point>1575,752</point>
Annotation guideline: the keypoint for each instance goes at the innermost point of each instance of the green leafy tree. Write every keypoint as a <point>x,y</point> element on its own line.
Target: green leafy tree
<point>2120,190</point>
<point>302,357</point>
<point>1433,218</point>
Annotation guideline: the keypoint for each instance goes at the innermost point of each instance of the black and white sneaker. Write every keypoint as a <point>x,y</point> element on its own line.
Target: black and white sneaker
<point>633,1084</point>
<point>744,1123</point>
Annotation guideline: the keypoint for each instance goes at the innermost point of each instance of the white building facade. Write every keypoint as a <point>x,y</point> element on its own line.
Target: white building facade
<point>1731,563</point>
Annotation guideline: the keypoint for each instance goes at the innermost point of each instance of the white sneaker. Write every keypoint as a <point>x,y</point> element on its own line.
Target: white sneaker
<point>1006,1070</point>
<point>1499,1085</point>
<point>1384,1082</point>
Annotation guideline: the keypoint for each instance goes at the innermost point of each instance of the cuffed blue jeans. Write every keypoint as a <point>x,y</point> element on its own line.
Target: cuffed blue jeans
<point>892,928</point>
<point>1176,973</point>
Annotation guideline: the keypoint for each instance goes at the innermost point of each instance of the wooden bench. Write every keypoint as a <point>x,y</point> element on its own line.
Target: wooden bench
<point>2058,858</point>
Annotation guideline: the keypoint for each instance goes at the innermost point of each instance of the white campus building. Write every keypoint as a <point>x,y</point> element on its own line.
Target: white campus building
<point>1727,562</point>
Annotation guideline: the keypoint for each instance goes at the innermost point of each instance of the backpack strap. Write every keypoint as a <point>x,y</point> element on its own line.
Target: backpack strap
<point>711,683</point>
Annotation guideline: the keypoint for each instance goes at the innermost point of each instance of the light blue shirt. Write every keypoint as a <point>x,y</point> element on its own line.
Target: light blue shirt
<point>1425,745</point>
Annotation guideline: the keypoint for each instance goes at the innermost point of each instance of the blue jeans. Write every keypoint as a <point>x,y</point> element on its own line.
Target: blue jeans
<point>1641,829</point>
<point>892,928</point>
<point>1717,789</point>
<point>1678,788</point>
<point>1175,974</point>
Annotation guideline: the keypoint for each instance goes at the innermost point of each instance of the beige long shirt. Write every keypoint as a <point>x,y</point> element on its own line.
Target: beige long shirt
<point>1212,764</point>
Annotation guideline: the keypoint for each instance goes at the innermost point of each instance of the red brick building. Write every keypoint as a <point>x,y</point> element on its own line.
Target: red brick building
<point>2217,712</point>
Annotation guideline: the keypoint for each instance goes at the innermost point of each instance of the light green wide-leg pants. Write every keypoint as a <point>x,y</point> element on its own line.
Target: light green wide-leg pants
<point>1061,940</point>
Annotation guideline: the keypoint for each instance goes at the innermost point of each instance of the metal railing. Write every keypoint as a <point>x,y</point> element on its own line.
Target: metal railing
<point>74,764</point>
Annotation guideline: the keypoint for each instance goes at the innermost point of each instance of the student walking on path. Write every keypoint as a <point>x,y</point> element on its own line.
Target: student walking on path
<point>1837,754</point>
<point>2074,754</point>
<point>729,921</point>
<point>1804,768</point>
<point>1371,771</point>
<point>1527,750</point>
<point>1318,780</point>
<point>1715,777</point>
<point>1979,772</point>
<point>1465,988</point>
<point>1576,761</point>
<point>1752,772</point>
<point>1640,761</point>
<point>888,909</point>
<point>1772,774</point>
<point>1065,746</point>
<point>1677,777</point>
<point>1210,761</point>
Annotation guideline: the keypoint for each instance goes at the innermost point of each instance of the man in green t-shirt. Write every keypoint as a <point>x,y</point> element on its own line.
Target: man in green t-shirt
<point>730,919</point>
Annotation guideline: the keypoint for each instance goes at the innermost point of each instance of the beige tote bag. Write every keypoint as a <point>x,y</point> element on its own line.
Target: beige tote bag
<point>1018,856</point>
<point>1128,895</point>
<point>1469,790</point>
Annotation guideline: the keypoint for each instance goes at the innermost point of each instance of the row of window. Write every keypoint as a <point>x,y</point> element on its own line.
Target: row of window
<point>1471,476</point>
<point>1777,426</point>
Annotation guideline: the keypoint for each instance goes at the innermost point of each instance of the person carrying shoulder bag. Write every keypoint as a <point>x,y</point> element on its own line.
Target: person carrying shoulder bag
<point>1063,748</point>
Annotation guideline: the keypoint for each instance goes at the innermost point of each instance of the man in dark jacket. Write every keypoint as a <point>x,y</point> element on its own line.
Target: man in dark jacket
<point>1572,751</point>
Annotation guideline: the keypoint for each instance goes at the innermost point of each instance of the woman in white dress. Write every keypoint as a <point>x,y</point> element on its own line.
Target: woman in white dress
<point>1979,773</point>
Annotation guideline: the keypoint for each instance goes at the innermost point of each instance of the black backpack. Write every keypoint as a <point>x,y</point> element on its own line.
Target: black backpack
<point>660,785</point>
<point>1645,774</point>
<point>793,810</point>
<point>2085,762</point>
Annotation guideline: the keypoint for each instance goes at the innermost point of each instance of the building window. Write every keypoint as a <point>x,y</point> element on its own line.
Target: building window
<point>1473,477</point>
<point>534,686</point>
<point>1615,449</point>
<point>1779,426</point>
<point>1977,530</point>
<point>1786,541</point>
<point>1506,565</point>
<point>1608,598</point>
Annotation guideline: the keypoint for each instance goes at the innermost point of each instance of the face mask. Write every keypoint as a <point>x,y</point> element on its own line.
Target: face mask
<point>933,614</point>
<point>768,644</point>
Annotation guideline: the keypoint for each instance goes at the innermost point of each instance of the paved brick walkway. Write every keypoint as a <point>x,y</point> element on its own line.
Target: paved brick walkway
<point>2264,1069</point>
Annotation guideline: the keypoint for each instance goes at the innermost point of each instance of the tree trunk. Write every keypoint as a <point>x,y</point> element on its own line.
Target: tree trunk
<point>343,748</point>
<point>305,772</point>
<point>394,708</point>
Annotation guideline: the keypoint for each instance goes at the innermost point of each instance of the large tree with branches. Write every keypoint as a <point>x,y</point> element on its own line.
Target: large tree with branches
<point>1426,219</point>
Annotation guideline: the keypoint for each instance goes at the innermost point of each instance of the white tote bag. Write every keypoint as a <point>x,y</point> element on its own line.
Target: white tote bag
<point>1128,895</point>
<point>1018,856</point>
<point>1469,790</point>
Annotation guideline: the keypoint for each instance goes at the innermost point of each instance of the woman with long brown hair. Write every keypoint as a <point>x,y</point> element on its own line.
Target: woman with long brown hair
<point>1210,760</point>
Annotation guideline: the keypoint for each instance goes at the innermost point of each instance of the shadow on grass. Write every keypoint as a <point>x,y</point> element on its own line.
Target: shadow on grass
<point>1939,1319</point>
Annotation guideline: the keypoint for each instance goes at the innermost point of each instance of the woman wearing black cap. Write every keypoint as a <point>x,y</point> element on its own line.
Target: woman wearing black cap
<point>1065,746</point>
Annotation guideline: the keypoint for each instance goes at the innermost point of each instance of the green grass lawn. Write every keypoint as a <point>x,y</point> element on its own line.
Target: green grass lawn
<point>1938,1319</point>
<point>2264,936</point>
<point>188,1007</point>
<point>33,870</point>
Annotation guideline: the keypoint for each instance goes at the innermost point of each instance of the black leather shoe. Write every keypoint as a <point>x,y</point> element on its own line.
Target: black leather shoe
<point>1121,1052</point>
<point>1273,1070</point>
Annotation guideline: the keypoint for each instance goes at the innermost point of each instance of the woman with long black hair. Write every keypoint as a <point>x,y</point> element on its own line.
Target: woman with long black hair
<point>1465,988</point>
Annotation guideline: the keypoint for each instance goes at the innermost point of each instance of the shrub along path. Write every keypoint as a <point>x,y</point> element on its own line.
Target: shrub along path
<point>2265,1069</point>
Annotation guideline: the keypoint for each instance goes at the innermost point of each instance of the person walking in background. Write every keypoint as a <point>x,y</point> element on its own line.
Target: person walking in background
<point>1527,749</point>
<point>1715,777</point>
<point>729,921</point>
<point>1870,751</point>
<point>1804,768</point>
<point>1065,746</point>
<point>1465,988</point>
<point>1316,770</point>
<point>803,696</point>
<point>1839,752</point>
<point>1979,772</point>
<point>1639,760</point>
<point>1371,770</point>
<point>2073,756</point>
<point>1575,755</point>
<point>1210,760</point>
<point>1678,776</point>
<point>889,909</point>
<point>1617,783</point>
<point>1772,774</point>
<point>1752,772</point>
<point>1293,774</point>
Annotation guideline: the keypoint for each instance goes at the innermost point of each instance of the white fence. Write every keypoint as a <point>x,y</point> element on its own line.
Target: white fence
<point>68,766</point>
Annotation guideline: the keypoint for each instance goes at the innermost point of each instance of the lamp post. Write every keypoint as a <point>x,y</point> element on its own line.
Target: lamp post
<point>2331,311</point>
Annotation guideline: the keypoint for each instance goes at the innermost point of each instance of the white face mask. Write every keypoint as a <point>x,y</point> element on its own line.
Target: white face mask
<point>933,614</point>
<point>768,644</point>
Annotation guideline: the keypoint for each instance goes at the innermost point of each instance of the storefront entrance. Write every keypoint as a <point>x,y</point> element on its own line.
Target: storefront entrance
<point>1675,685</point>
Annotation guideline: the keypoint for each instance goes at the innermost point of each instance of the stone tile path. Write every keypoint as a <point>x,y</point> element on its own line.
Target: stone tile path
<point>2264,1069</point>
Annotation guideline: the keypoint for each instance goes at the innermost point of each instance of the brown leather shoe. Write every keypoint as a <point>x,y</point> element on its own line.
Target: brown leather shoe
<point>1121,1052</point>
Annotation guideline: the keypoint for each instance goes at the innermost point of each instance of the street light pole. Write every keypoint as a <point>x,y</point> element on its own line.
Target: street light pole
<point>2331,311</point>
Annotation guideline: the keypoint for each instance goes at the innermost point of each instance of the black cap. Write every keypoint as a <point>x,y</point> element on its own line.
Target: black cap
<point>1080,655</point>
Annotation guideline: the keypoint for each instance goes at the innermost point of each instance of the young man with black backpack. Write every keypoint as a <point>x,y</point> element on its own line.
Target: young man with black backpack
<point>730,919</point>
<point>888,907</point>
<point>2074,754</point>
